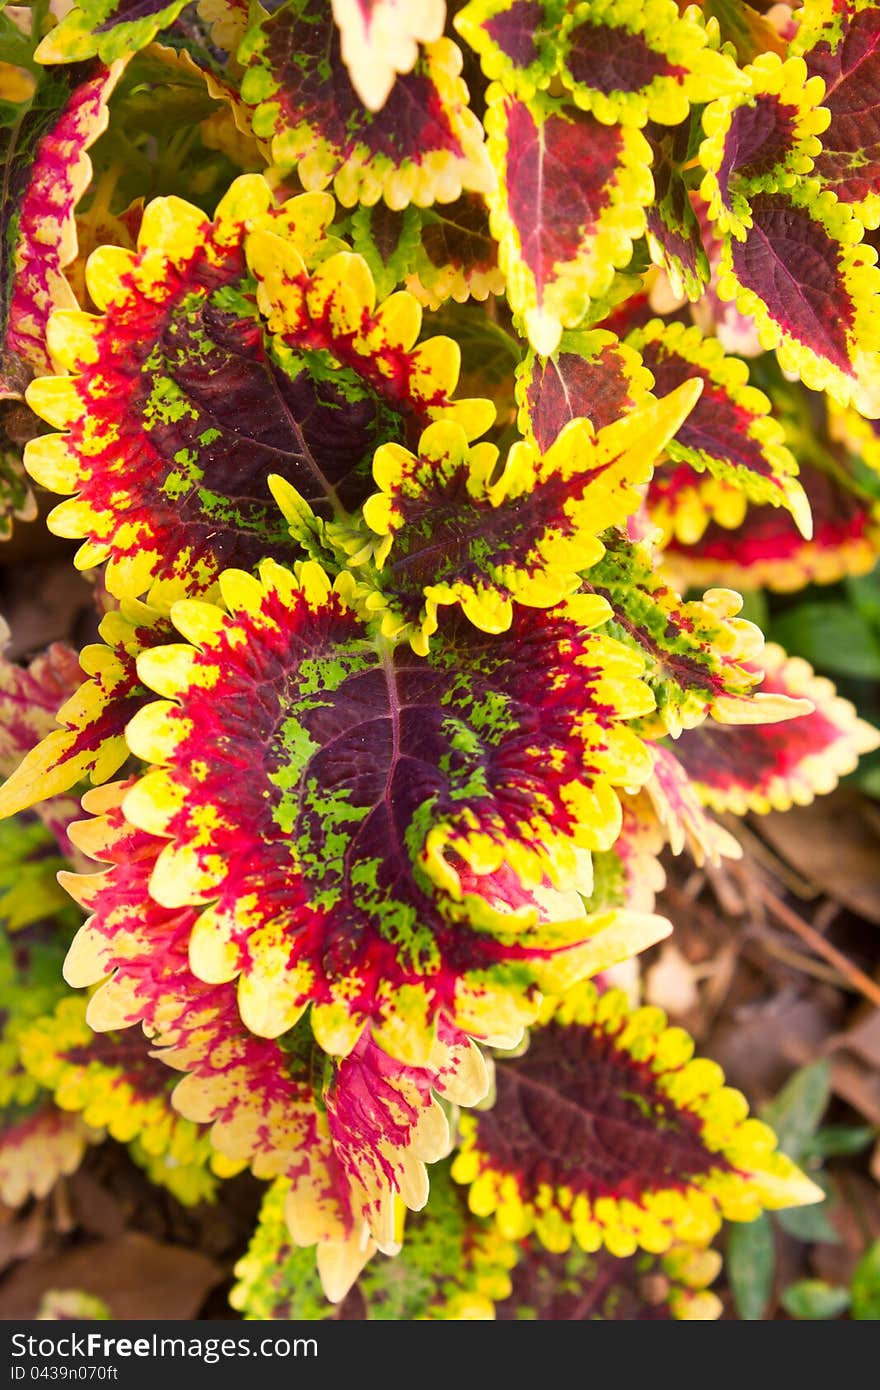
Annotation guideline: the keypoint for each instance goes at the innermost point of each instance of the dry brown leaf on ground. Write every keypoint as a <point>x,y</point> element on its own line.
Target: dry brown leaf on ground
<point>21,1233</point>
<point>835,845</point>
<point>855,1065</point>
<point>760,1044</point>
<point>137,1277</point>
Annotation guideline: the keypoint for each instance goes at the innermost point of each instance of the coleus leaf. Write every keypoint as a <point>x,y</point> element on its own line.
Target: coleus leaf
<point>730,432</point>
<point>623,63</point>
<point>451,1266</point>
<point>747,30</point>
<point>605,1132</point>
<point>353,1154</point>
<point>568,205</point>
<point>91,740</point>
<point>29,863</point>
<point>682,815</point>
<point>697,651</point>
<point>114,1082</point>
<point>581,1287</point>
<point>38,1145</point>
<point>456,528</point>
<point>591,375</point>
<point>374,905</point>
<point>517,41</point>
<point>456,256</point>
<point>630,874</point>
<point>177,376</point>
<point>46,171</point>
<point>812,289</point>
<point>31,955</point>
<point>111,29</point>
<point>380,38</point>
<point>387,239</point>
<point>229,20</point>
<point>714,539</point>
<point>683,502</point>
<point>760,139</point>
<point>673,231</point>
<point>276,1278</point>
<point>425,145</point>
<point>858,436</point>
<point>774,767</point>
<point>634,63</point>
<point>440,253</point>
<point>165,377</point>
<point>191,1180</point>
<point>840,43</point>
<point>736,333</point>
<point>353,1137</point>
<point>30,698</point>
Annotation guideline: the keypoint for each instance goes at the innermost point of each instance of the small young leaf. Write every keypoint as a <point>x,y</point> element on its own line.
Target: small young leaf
<point>457,529</point>
<point>591,375</point>
<point>456,256</point>
<point>698,652</point>
<point>815,1299</point>
<point>673,227</point>
<point>759,138</point>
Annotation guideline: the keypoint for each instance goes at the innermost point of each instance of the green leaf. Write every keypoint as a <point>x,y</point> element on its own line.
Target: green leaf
<point>750,1262</point>
<point>863,592</point>
<point>795,1113</point>
<point>832,1141</point>
<point>812,1224</point>
<point>755,609</point>
<point>869,781</point>
<point>832,636</point>
<point>865,1286</point>
<point>813,1298</point>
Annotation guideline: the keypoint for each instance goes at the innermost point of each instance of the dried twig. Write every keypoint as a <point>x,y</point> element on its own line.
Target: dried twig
<point>808,934</point>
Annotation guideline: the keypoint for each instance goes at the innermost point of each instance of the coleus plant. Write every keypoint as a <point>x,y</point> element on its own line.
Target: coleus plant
<point>385,447</point>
